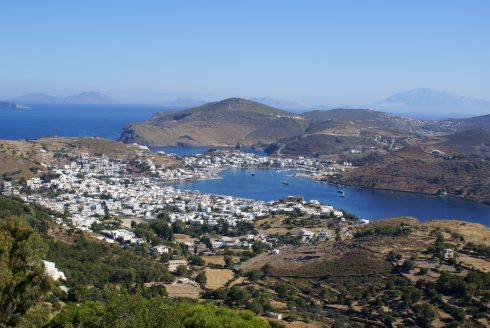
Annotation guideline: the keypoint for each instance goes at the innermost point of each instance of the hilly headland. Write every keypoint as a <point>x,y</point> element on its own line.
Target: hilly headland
<point>387,151</point>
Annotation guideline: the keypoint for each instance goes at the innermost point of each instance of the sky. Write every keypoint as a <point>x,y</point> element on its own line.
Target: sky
<point>313,52</point>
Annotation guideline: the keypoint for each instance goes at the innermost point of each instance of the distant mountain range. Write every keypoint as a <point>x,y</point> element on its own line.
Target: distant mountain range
<point>182,103</point>
<point>280,103</point>
<point>425,103</point>
<point>81,98</point>
<point>420,103</point>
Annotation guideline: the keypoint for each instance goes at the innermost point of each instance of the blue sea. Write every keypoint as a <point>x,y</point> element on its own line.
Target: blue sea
<point>105,121</point>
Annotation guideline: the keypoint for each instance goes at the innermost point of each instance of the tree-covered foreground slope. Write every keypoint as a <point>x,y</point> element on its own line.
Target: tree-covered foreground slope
<point>124,310</point>
<point>388,273</point>
<point>29,298</point>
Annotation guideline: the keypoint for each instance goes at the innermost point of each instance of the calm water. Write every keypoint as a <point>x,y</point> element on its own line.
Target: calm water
<point>105,121</point>
<point>367,204</point>
<point>189,151</point>
<point>108,120</point>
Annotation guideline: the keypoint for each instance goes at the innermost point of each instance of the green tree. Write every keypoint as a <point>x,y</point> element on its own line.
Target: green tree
<point>407,266</point>
<point>411,296</point>
<point>201,278</point>
<point>394,256</point>
<point>36,317</point>
<point>424,314</point>
<point>23,282</point>
<point>126,311</point>
<point>266,270</point>
<point>206,241</point>
<point>228,261</point>
<point>182,271</point>
<point>196,260</point>
<point>162,229</point>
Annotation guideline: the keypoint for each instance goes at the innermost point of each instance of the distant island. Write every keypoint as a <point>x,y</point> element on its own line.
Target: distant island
<point>425,101</point>
<point>11,105</point>
<point>80,98</point>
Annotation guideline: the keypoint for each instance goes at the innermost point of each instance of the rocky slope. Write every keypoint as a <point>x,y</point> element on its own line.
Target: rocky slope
<point>225,123</point>
<point>236,121</point>
<point>473,141</point>
<point>412,169</point>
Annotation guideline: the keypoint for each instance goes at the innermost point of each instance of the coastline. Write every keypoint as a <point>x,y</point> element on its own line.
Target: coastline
<point>405,191</point>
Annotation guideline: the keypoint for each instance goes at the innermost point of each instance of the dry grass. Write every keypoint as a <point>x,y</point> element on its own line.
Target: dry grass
<point>214,259</point>
<point>298,324</point>
<point>480,264</point>
<point>181,238</point>
<point>183,290</point>
<point>217,278</point>
<point>127,221</point>
<point>333,259</point>
<point>472,232</point>
<point>275,225</point>
<point>407,220</point>
<point>238,281</point>
<point>13,164</point>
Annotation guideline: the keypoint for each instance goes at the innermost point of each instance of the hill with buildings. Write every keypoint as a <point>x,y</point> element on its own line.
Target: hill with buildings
<point>132,247</point>
<point>33,158</point>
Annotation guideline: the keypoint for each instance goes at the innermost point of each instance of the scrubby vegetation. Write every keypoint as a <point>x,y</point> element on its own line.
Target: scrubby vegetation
<point>102,292</point>
<point>120,309</point>
<point>392,274</point>
<point>478,249</point>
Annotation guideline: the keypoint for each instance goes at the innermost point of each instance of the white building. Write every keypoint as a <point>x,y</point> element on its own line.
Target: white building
<point>160,249</point>
<point>53,272</point>
<point>448,253</point>
<point>323,235</point>
<point>174,264</point>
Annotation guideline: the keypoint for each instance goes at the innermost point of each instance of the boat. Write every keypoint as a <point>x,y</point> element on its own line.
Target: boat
<point>285,182</point>
<point>253,174</point>
<point>341,192</point>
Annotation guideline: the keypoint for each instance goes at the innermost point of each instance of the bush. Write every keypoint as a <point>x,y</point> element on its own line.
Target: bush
<point>123,310</point>
<point>407,266</point>
<point>424,314</point>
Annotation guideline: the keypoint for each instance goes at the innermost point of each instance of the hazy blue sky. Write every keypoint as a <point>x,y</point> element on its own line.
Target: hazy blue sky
<point>307,51</point>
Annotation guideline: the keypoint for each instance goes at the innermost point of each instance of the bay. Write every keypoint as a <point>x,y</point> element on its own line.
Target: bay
<point>365,203</point>
<point>190,151</point>
<point>107,121</point>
